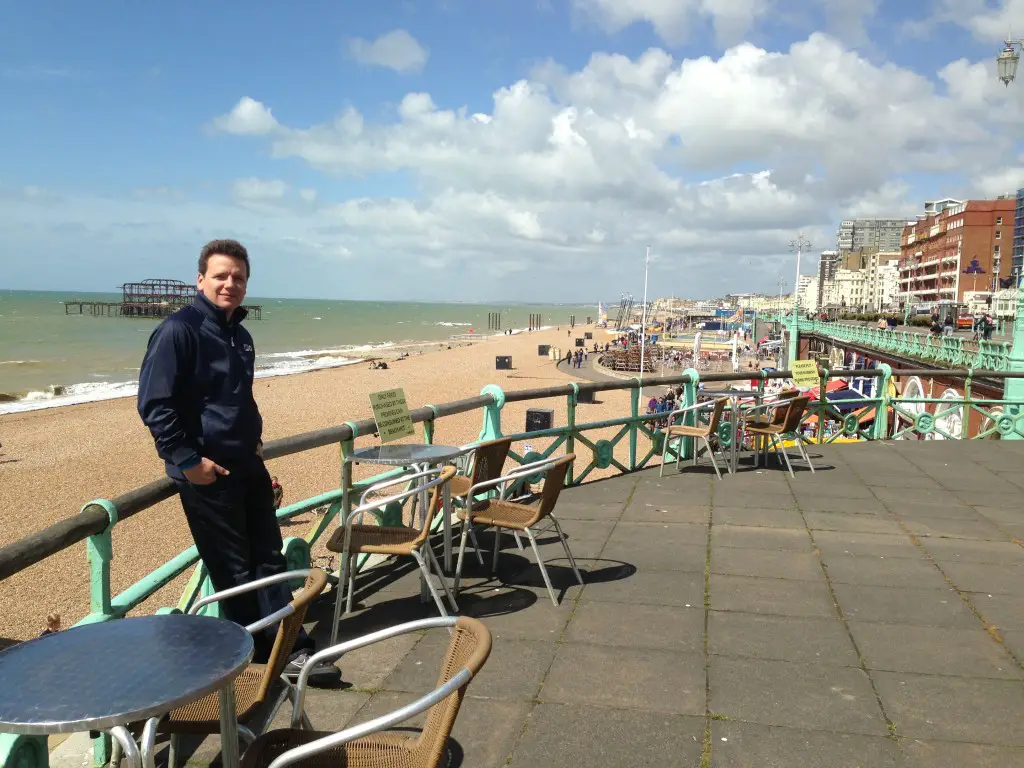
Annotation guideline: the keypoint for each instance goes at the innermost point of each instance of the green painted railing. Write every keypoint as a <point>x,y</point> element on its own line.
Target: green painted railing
<point>954,351</point>
<point>630,443</point>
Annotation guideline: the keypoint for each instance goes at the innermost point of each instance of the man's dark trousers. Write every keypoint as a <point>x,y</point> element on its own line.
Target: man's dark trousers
<point>234,525</point>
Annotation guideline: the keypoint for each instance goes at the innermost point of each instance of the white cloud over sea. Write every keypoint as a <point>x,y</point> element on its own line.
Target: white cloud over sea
<point>553,190</point>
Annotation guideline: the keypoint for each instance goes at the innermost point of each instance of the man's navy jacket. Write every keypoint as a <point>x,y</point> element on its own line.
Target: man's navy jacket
<point>195,387</point>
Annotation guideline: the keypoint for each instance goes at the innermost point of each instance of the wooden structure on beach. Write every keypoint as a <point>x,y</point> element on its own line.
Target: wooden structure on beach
<point>149,298</point>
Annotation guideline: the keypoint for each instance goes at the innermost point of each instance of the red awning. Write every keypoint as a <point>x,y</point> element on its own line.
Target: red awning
<point>833,386</point>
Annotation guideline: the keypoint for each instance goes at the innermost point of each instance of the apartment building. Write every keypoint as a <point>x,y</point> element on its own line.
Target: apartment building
<point>1018,237</point>
<point>974,235</point>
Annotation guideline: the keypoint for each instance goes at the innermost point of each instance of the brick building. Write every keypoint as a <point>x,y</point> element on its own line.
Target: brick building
<point>936,250</point>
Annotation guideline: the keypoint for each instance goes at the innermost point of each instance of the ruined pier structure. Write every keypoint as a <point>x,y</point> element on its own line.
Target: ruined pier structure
<point>149,298</point>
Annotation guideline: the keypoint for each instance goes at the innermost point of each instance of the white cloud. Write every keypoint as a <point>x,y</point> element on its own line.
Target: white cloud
<point>397,50</point>
<point>674,20</point>
<point>562,180</point>
<point>248,117</point>
<point>253,189</point>
<point>989,21</point>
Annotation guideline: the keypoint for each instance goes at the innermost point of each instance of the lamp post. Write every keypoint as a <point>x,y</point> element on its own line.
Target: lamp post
<point>1013,389</point>
<point>798,244</point>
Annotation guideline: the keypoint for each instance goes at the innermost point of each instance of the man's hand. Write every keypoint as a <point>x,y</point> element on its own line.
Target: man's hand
<point>205,472</point>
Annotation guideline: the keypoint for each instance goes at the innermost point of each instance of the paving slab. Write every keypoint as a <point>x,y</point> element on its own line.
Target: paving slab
<point>628,678</point>
<point>973,551</point>
<point>838,521</point>
<point>973,527</point>
<point>812,696</point>
<point>933,650</point>
<point>642,510</point>
<point>749,537</point>
<point>868,570</point>
<point>904,605</point>
<point>758,517</point>
<point>778,597</point>
<point>637,626</point>
<point>953,708</point>
<point>949,754</point>
<point>781,638</point>
<point>573,735</point>
<point>824,502</point>
<point>877,544</point>
<point>768,563</point>
<point>980,577</point>
<point>1004,611</point>
<point>677,589</point>
<point>749,745</point>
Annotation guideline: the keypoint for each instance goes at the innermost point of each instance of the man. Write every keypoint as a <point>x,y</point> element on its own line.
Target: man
<point>195,395</point>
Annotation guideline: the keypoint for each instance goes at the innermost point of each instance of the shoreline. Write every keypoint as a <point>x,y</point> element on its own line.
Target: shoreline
<point>55,460</point>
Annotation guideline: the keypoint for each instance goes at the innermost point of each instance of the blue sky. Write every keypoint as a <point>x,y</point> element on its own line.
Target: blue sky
<point>122,154</point>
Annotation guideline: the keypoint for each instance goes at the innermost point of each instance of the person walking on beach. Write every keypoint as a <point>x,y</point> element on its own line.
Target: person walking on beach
<point>195,395</point>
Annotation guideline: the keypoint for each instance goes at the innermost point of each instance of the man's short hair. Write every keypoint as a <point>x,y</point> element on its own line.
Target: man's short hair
<point>231,248</point>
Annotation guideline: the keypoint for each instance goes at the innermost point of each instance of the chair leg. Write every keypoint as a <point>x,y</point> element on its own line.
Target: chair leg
<point>352,563</point>
<point>115,753</point>
<point>679,453</point>
<point>712,455</point>
<point>664,453</point>
<point>467,529</point>
<point>476,544</point>
<point>497,548</point>
<point>174,750</point>
<point>287,694</point>
<point>246,735</point>
<point>339,595</point>
<point>440,575</point>
<point>781,448</point>
<point>430,584</point>
<point>565,546</point>
<point>543,568</point>
<point>803,452</point>
<point>519,542</point>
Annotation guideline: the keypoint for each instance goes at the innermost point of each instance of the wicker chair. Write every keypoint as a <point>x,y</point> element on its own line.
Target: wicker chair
<point>502,514</point>
<point>254,685</point>
<point>785,425</point>
<point>704,433</point>
<point>488,459</point>
<point>351,539</point>
<point>370,744</point>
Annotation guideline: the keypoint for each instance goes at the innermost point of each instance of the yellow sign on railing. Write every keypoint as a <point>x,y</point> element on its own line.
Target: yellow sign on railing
<point>391,412</point>
<point>805,373</point>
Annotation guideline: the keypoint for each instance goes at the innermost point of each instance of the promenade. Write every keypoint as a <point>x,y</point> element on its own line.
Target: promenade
<point>871,614</point>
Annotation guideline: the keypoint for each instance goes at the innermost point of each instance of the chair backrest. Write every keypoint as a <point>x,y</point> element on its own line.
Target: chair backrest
<point>445,476</point>
<point>288,629</point>
<point>779,413</point>
<point>489,459</point>
<point>554,481</point>
<point>794,413</point>
<point>716,415</point>
<point>469,648</point>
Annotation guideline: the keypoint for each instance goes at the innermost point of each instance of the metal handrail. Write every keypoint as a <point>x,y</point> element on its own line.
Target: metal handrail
<point>94,519</point>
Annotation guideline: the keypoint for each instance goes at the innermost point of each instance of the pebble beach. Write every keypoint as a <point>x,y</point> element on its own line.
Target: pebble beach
<point>53,461</point>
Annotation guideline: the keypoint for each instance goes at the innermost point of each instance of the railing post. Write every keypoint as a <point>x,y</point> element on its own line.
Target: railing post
<point>689,398</point>
<point>19,751</point>
<point>99,550</point>
<point>881,428</point>
<point>491,429</point>
<point>428,426</point>
<point>634,413</point>
<point>570,440</point>
<point>794,338</point>
<point>822,400</point>
<point>1013,389</point>
<point>345,447</point>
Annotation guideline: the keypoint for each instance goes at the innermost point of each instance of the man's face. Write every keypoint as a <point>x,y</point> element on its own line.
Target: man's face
<point>224,282</point>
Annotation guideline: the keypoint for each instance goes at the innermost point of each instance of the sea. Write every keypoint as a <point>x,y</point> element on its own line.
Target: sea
<point>49,358</point>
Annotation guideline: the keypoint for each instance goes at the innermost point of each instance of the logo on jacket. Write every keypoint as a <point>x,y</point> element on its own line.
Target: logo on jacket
<point>247,347</point>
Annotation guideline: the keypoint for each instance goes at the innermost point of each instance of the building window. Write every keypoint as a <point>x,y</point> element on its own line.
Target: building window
<point>996,251</point>
<point>999,221</point>
<point>999,234</point>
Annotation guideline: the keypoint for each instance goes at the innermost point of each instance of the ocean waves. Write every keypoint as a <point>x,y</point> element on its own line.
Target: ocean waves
<point>267,366</point>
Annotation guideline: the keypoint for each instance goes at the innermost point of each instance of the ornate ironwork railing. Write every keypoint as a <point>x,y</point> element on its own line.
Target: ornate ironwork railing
<point>954,351</point>
<point>624,444</point>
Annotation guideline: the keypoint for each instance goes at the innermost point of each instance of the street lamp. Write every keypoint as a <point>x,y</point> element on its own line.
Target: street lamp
<point>798,245</point>
<point>1007,60</point>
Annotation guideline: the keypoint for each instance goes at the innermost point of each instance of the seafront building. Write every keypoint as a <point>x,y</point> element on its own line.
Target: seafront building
<point>961,248</point>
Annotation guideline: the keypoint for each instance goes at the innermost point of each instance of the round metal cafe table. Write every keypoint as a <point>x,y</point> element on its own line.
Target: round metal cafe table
<point>417,456</point>
<point>101,677</point>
